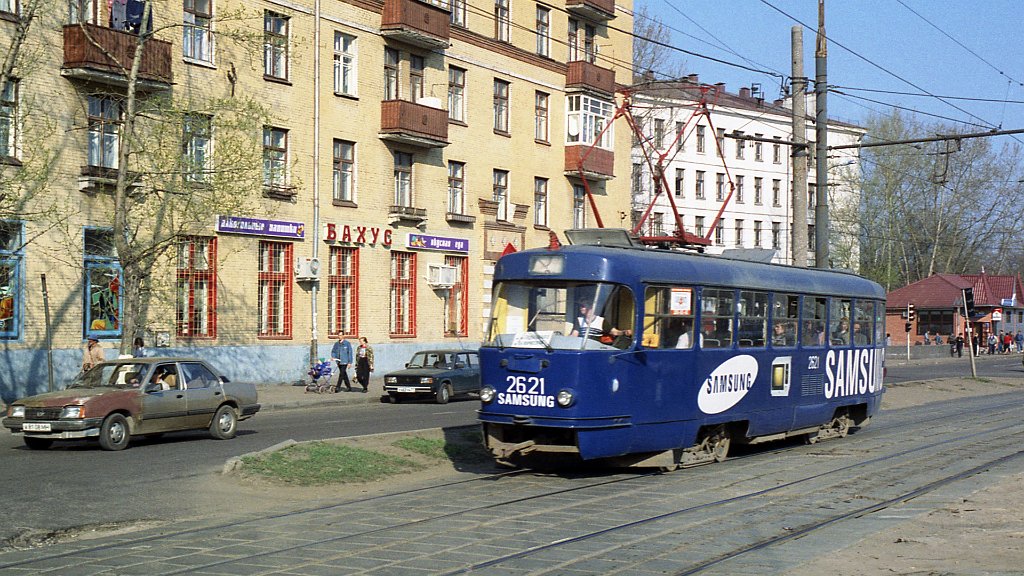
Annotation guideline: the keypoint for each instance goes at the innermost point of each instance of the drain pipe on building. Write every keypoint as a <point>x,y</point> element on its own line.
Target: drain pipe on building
<point>315,284</point>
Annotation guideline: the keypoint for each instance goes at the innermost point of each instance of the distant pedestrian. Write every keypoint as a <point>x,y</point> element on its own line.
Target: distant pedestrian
<point>364,363</point>
<point>938,339</point>
<point>341,353</point>
<point>927,337</point>
<point>139,348</point>
<point>991,343</point>
<point>1019,339</point>
<point>92,354</point>
<point>959,344</point>
<point>888,339</point>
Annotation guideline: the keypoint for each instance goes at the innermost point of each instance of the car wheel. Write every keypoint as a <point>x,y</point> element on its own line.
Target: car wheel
<point>444,393</point>
<point>38,443</point>
<point>394,399</point>
<point>114,433</point>
<point>225,423</point>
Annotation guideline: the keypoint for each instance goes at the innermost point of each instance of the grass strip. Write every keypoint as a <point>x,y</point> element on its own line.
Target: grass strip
<point>320,463</point>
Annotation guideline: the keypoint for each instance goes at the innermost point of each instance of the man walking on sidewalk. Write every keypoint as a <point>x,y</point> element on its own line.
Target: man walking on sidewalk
<point>341,352</point>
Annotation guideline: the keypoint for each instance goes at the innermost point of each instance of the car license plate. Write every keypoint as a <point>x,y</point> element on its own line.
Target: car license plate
<point>406,389</point>
<point>36,426</point>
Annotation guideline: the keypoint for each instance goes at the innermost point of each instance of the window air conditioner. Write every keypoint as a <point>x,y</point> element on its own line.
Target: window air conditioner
<point>440,276</point>
<point>307,268</point>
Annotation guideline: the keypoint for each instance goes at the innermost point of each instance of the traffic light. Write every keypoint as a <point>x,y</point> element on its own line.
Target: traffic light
<point>969,301</point>
<point>910,313</point>
<point>907,327</point>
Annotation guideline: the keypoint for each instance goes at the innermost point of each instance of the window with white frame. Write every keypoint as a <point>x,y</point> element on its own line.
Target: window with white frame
<point>456,187</point>
<point>777,152</point>
<point>198,147</point>
<point>9,6</point>
<point>403,179</point>
<point>103,305</point>
<point>540,124</point>
<point>9,119</point>
<point>758,190</point>
<point>456,94</point>
<point>700,139</point>
<point>758,154</point>
<point>391,88</point>
<point>719,235</point>
<point>586,120</point>
<point>104,120</point>
<point>776,235</point>
<point>540,201</point>
<point>720,142</point>
<point>10,279</point>
<point>679,182</point>
<point>719,187</point>
<point>275,45</point>
<point>659,133</point>
<point>741,146</point>
<point>776,192</point>
<point>83,11</point>
<point>581,41</point>
<point>344,171</point>
<point>740,180</point>
<point>501,91</point>
<point>579,206</point>
<point>458,12</point>
<point>698,226</point>
<point>345,81</point>
<point>543,31</point>
<point>502,23</point>
<point>757,233</point>
<point>416,67</point>
<point>698,187</point>
<point>500,194</point>
<point>275,157</point>
<point>681,143</point>
<point>739,233</point>
<point>197,31</point>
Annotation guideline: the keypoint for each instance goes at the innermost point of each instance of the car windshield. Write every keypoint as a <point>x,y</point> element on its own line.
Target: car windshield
<point>561,315</point>
<point>428,360</point>
<point>120,375</point>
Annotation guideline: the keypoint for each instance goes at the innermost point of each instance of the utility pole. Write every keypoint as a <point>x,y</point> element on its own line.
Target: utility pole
<point>821,224</point>
<point>798,245</point>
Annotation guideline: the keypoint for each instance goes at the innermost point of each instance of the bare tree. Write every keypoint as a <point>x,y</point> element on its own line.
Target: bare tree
<point>652,52</point>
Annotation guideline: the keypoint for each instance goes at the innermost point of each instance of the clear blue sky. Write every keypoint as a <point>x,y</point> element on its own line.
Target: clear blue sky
<point>965,49</point>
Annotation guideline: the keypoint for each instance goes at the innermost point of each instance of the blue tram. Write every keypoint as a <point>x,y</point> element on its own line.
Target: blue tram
<point>643,356</point>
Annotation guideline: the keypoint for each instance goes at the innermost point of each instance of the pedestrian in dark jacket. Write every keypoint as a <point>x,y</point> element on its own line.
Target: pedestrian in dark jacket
<point>341,353</point>
<point>364,363</point>
<point>959,345</point>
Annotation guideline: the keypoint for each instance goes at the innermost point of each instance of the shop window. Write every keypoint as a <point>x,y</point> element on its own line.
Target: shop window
<point>343,292</point>
<point>456,314</point>
<point>275,290</point>
<point>403,294</point>
<point>10,280</point>
<point>196,305</point>
<point>102,285</point>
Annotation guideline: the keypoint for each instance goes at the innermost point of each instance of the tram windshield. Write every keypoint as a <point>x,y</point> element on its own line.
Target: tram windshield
<point>559,315</point>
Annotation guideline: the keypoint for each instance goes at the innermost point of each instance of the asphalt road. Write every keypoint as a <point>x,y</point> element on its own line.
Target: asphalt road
<point>998,366</point>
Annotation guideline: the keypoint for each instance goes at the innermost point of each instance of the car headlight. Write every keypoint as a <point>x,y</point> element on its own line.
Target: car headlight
<point>486,394</point>
<point>390,380</point>
<point>565,398</point>
<point>17,412</point>
<point>426,380</point>
<point>73,412</point>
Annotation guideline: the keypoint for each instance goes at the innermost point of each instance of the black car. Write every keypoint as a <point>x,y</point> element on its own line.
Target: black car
<point>439,374</point>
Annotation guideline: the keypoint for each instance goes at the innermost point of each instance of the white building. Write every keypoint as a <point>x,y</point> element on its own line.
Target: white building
<point>759,213</point>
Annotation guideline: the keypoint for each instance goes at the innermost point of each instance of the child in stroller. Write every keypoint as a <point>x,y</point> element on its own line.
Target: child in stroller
<point>320,377</point>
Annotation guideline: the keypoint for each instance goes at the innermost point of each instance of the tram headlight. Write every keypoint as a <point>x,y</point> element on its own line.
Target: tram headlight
<point>565,398</point>
<point>486,394</point>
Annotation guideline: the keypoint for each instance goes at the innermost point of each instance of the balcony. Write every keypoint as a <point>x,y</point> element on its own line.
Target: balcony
<point>599,163</point>
<point>96,54</point>
<point>415,23</point>
<point>584,76</point>
<point>409,214</point>
<point>599,10</point>
<point>413,124</point>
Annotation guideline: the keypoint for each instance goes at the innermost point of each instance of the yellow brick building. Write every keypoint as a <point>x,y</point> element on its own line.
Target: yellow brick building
<point>407,145</point>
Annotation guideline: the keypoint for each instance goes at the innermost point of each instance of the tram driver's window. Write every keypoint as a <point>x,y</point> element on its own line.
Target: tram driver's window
<point>668,317</point>
<point>812,329</point>
<point>785,319</point>
<point>839,322</point>
<point>753,311</point>
<point>717,308</point>
<point>863,314</point>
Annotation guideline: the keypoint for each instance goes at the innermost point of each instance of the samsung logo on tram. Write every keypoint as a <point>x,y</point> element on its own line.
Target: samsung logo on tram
<point>851,372</point>
<point>727,384</point>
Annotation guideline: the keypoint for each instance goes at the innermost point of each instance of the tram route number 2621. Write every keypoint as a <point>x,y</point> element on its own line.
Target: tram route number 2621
<point>525,385</point>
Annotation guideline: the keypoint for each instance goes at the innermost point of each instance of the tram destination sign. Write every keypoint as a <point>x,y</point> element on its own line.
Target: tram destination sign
<point>261,227</point>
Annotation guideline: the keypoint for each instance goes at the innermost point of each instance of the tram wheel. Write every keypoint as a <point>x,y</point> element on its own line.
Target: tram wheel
<point>718,442</point>
<point>842,425</point>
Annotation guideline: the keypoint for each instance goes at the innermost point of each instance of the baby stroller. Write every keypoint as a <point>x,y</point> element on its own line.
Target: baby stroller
<point>320,377</point>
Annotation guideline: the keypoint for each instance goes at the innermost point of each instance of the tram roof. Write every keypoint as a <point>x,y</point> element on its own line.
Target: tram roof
<point>639,264</point>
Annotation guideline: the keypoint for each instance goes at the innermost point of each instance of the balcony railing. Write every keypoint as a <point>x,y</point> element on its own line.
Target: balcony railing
<point>598,165</point>
<point>582,75</point>
<point>601,10</point>
<point>413,124</point>
<point>101,54</point>
<point>416,23</point>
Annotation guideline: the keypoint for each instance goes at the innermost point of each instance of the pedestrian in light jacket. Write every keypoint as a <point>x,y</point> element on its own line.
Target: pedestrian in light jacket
<point>341,353</point>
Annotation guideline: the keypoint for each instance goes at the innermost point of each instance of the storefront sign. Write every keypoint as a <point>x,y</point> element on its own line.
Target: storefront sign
<point>261,227</point>
<point>348,234</point>
<point>425,242</point>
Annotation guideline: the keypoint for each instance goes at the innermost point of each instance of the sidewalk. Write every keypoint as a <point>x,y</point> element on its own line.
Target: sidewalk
<point>283,396</point>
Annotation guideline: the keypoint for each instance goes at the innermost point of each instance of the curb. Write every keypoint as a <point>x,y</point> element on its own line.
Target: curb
<point>235,462</point>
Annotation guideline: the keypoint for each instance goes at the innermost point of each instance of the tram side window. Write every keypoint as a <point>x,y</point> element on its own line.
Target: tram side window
<point>785,318</point>
<point>879,322</point>
<point>813,329</point>
<point>753,309</point>
<point>668,317</point>
<point>839,322</point>
<point>863,314</point>
<point>716,311</point>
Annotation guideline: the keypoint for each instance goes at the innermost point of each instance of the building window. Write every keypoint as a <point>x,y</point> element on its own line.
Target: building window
<point>543,31</point>
<point>343,292</point>
<point>502,24</point>
<point>9,6</point>
<point>637,178</point>
<point>456,94</point>
<point>659,133</point>
<point>9,119</point>
<point>758,154</point>
<point>102,285</point>
<point>777,152</point>
<point>700,139</point>
<point>719,187</point>
<point>810,236</point>
<point>501,89</point>
<point>403,294</point>
<point>197,138</point>
<point>540,201</point>
<point>757,233</point>
<point>679,183</point>
<point>739,233</point>
<point>10,280</point>
<point>345,81</point>
<point>679,136</point>
<point>718,233</point>
<point>540,124</point>
<point>456,187</point>
<point>82,12</point>
<point>458,14</point>
<point>500,196</point>
<point>699,185</point>
<point>403,179</point>
<point>812,198</point>
<point>275,157</point>
<point>275,45</point>
<point>582,45</point>
<point>104,131</point>
<point>275,290</point>
<point>196,310</point>
<point>456,313</point>
<point>739,189</point>
<point>390,74</point>
<point>758,190</point>
<point>197,35</point>
<point>720,142</point>
<point>776,235</point>
<point>741,146</point>
<point>344,171</point>
<point>416,67</point>
<point>587,119</point>
<point>776,192</point>
<point>698,226</point>
<point>579,206</point>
